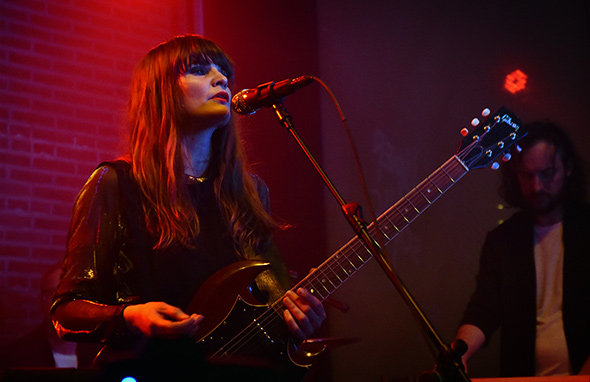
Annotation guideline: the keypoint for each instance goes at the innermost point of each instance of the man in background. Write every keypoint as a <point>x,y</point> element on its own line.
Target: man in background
<point>534,275</point>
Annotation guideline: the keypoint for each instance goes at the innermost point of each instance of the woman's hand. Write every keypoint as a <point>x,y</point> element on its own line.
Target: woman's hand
<point>158,319</point>
<point>304,314</point>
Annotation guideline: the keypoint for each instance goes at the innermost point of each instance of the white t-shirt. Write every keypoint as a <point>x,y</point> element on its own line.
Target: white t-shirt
<point>552,357</point>
<point>65,360</point>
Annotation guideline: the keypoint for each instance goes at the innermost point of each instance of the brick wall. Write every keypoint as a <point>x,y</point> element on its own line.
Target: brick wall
<point>65,66</point>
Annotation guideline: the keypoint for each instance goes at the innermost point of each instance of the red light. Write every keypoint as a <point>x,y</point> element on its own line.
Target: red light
<point>515,81</point>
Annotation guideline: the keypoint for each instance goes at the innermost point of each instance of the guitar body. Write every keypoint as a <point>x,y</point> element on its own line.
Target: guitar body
<point>238,330</point>
<point>216,298</point>
<point>238,333</point>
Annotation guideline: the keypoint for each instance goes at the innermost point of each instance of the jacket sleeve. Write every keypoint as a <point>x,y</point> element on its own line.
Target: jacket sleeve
<point>484,306</point>
<point>89,302</point>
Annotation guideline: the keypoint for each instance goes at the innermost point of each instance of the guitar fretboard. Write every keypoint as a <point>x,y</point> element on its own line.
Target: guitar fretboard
<point>478,149</point>
<point>333,272</point>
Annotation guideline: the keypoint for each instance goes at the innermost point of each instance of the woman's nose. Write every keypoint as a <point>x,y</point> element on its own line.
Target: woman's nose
<point>219,79</point>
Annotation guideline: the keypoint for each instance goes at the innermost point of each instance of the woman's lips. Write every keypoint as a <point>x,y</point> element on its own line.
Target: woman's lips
<point>221,95</point>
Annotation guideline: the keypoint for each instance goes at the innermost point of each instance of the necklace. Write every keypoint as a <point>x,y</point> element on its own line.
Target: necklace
<point>193,179</point>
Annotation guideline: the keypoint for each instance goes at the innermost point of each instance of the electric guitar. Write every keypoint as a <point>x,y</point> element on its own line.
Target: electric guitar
<point>263,333</point>
<point>238,330</point>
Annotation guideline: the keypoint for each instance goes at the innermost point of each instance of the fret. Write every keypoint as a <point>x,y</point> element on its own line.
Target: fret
<point>448,175</point>
<point>408,211</point>
<point>424,195</point>
<point>429,189</point>
<point>373,231</point>
<point>324,283</point>
<point>397,219</point>
<point>278,307</point>
<point>349,271</point>
<point>385,235</point>
<point>407,198</point>
<point>401,214</point>
<point>317,294</point>
<point>386,228</point>
<point>328,284</point>
<point>459,168</point>
<point>358,255</point>
<point>340,260</point>
<point>342,272</point>
<point>319,288</point>
<point>353,255</point>
<point>335,274</point>
<point>418,200</point>
<point>327,272</point>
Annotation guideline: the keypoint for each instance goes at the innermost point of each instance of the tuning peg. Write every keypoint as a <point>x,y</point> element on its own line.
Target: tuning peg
<point>518,148</point>
<point>485,112</point>
<point>507,157</point>
<point>495,166</point>
<point>464,131</point>
<point>474,122</point>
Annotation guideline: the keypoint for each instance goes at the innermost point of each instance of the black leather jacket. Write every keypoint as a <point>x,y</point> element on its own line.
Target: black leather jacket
<point>105,267</point>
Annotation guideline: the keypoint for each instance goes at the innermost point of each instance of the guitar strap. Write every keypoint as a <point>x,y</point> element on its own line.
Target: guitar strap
<point>130,198</point>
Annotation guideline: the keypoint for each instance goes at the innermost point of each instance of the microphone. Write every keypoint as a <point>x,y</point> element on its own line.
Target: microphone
<point>248,101</point>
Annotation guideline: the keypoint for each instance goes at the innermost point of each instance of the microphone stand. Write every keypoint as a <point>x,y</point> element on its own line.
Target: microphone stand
<point>449,367</point>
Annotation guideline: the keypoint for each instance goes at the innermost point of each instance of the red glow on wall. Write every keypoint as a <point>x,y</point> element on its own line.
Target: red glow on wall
<point>515,81</point>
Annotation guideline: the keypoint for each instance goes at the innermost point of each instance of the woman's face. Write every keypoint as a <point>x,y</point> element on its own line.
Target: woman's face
<point>206,97</point>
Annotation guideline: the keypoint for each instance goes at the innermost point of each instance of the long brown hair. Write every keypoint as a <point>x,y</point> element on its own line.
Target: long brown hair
<point>575,191</point>
<point>157,121</point>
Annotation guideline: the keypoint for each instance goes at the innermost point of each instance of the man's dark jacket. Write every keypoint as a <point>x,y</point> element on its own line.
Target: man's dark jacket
<point>505,295</point>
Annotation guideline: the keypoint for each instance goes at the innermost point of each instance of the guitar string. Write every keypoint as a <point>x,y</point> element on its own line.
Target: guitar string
<point>254,329</point>
<point>446,171</point>
<point>355,246</point>
<point>267,319</point>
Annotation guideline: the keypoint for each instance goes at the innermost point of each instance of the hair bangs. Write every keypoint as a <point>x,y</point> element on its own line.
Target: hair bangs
<point>200,51</point>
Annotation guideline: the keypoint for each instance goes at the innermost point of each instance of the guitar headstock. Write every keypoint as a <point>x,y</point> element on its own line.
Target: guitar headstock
<point>491,139</point>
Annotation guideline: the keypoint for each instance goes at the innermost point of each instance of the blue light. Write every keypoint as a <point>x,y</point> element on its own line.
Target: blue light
<point>128,379</point>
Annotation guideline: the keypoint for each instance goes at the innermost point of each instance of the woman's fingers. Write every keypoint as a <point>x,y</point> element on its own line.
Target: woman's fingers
<point>304,314</point>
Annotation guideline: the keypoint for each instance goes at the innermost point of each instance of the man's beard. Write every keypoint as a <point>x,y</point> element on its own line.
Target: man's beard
<point>542,203</point>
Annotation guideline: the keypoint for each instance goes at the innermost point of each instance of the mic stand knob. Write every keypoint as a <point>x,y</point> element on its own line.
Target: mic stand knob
<point>449,368</point>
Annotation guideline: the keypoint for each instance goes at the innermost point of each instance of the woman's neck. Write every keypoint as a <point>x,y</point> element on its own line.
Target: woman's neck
<point>196,152</point>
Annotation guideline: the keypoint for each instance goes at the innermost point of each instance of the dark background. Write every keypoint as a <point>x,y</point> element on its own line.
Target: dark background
<point>408,76</point>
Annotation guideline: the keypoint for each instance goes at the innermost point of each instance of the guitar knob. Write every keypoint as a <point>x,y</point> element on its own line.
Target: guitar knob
<point>495,166</point>
<point>464,131</point>
<point>485,112</point>
<point>474,122</point>
<point>507,157</point>
<point>518,148</point>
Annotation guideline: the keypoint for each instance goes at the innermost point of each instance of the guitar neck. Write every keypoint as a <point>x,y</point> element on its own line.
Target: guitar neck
<point>333,272</point>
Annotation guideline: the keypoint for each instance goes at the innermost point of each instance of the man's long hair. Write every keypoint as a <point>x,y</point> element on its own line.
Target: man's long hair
<point>157,124</point>
<point>575,184</point>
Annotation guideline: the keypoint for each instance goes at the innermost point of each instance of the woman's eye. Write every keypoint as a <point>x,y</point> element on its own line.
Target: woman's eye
<point>197,70</point>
